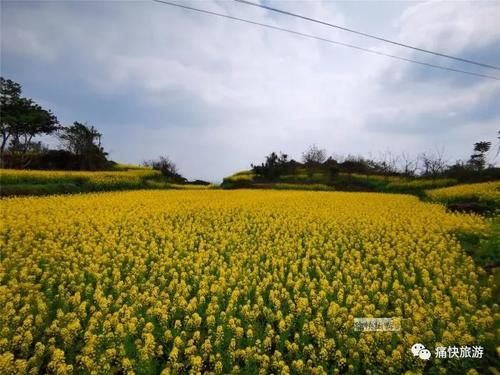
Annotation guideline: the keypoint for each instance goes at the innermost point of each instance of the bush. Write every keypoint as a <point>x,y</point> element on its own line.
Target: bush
<point>274,167</point>
<point>167,168</point>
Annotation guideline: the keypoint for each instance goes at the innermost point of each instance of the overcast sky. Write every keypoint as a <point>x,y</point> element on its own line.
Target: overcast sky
<point>216,95</point>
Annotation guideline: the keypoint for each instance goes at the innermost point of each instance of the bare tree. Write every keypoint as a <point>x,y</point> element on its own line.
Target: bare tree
<point>313,155</point>
<point>409,165</point>
<point>313,158</point>
<point>433,164</point>
<point>388,162</point>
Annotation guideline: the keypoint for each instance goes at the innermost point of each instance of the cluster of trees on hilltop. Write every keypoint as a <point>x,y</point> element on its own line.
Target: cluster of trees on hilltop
<point>315,160</point>
<point>23,120</point>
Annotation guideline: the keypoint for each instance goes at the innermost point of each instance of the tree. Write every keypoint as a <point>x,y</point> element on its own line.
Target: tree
<point>167,168</point>
<point>409,165</point>
<point>461,171</point>
<point>432,164</point>
<point>478,158</point>
<point>332,166</point>
<point>387,163</point>
<point>84,141</point>
<point>314,156</point>
<point>22,119</point>
<point>274,166</point>
<point>10,95</point>
<point>356,164</point>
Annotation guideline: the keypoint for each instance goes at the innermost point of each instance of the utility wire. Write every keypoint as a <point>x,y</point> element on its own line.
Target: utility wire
<point>326,40</point>
<point>369,35</point>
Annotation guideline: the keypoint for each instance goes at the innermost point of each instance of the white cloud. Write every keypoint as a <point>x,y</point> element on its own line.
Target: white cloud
<point>450,26</point>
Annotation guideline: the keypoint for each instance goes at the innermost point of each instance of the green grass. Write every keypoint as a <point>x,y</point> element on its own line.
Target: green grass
<point>485,247</point>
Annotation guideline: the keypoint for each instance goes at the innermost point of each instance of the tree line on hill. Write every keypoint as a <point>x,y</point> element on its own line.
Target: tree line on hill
<point>427,165</point>
<point>23,120</point>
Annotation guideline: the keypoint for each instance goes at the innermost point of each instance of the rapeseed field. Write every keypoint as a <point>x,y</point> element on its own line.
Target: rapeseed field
<point>247,281</point>
<point>480,191</point>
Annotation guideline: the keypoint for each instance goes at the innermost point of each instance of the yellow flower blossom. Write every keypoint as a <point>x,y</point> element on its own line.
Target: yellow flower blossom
<point>234,281</point>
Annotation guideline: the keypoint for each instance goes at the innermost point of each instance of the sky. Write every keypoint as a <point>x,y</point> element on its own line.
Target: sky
<point>216,95</point>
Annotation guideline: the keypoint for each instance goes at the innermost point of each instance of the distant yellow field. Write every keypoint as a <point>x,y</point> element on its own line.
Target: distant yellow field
<point>234,281</point>
<point>485,190</point>
<point>14,176</point>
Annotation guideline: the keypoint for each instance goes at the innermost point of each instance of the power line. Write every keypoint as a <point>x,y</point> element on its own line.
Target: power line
<point>326,40</point>
<point>369,35</point>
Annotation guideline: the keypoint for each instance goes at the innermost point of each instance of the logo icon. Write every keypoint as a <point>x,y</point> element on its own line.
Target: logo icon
<point>420,351</point>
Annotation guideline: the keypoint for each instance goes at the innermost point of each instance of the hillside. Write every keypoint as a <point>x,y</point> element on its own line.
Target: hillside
<point>481,198</point>
<point>300,179</point>
<point>123,177</point>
